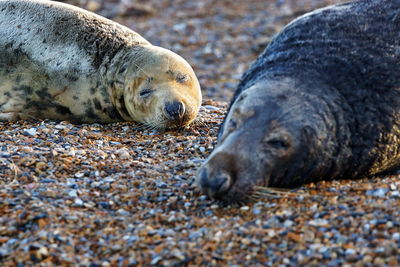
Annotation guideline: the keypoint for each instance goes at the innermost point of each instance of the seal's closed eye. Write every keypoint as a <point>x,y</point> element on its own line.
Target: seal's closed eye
<point>278,143</point>
<point>182,78</point>
<point>145,93</point>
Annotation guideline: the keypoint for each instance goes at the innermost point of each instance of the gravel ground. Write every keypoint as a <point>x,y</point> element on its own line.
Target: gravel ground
<point>115,195</point>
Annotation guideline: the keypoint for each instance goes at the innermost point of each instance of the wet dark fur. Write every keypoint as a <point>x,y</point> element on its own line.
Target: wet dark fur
<point>359,63</point>
<point>346,66</point>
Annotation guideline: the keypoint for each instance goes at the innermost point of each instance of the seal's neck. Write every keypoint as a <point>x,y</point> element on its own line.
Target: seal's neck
<point>329,152</point>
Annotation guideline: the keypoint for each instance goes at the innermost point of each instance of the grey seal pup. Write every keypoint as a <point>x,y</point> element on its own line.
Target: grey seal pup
<point>62,62</point>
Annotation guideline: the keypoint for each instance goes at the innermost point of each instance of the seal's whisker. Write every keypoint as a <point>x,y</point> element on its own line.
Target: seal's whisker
<point>265,194</point>
<point>254,198</point>
<point>140,68</point>
<point>276,192</point>
<point>241,203</point>
<point>141,126</point>
<point>198,122</point>
<point>145,126</point>
<point>249,198</point>
<point>160,123</point>
<point>235,205</point>
<point>272,193</point>
<point>152,127</point>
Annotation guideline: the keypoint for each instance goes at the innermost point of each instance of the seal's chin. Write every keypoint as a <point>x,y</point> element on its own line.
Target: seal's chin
<point>163,123</point>
<point>173,125</point>
<point>175,116</point>
<point>179,123</point>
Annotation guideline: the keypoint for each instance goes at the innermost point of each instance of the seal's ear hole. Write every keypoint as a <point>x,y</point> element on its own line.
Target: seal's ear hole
<point>233,123</point>
<point>308,133</point>
<point>145,92</point>
<point>220,133</point>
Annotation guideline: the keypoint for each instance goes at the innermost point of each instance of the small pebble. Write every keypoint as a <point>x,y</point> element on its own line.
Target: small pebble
<point>73,194</point>
<point>123,154</point>
<point>379,192</point>
<point>30,132</point>
<point>78,202</point>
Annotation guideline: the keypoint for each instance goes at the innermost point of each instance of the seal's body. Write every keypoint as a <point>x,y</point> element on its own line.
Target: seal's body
<point>62,62</point>
<point>321,102</point>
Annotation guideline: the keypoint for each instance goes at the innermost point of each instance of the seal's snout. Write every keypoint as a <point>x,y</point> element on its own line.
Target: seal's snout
<point>217,176</point>
<point>175,110</point>
<point>214,186</point>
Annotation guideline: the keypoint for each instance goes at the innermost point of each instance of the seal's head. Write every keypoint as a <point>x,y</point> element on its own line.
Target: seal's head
<point>160,89</point>
<point>270,138</point>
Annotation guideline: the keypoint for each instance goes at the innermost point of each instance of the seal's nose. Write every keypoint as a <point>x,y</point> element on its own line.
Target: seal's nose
<point>214,186</point>
<point>175,110</point>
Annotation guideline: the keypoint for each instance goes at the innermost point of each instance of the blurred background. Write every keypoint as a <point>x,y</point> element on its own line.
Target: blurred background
<point>219,38</point>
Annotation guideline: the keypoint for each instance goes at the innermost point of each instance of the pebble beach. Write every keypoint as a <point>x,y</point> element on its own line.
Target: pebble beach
<point>118,195</point>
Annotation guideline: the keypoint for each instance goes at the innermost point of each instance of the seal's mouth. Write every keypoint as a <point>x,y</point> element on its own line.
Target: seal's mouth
<point>176,115</point>
<point>162,123</point>
<point>178,123</point>
<point>230,187</point>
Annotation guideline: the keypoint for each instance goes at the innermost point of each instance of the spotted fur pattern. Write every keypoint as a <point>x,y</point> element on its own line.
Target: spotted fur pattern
<point>62,62</point>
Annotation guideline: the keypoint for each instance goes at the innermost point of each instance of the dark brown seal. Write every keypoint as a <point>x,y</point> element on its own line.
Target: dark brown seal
<point>321,102</point>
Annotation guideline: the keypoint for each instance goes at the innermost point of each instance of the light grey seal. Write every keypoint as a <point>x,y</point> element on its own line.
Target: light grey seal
<point>62,62</point>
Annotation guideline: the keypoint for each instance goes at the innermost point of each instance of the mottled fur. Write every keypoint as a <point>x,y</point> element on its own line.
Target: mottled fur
<point>62,62</point>
<point>321,102</point>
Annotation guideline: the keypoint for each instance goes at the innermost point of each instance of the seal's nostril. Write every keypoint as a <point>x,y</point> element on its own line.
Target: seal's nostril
<point>218,186</point>
<point>215,186</point>
<point>175,110</point>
